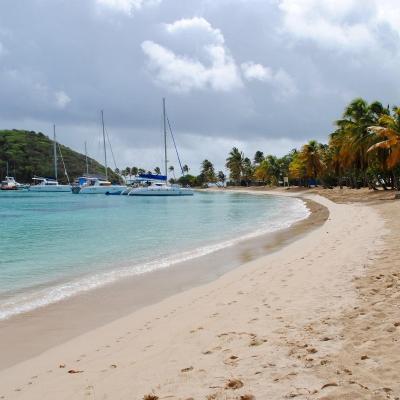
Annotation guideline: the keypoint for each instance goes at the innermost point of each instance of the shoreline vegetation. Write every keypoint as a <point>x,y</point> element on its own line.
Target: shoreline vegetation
<point>363,151</point>
<point>308,321</point>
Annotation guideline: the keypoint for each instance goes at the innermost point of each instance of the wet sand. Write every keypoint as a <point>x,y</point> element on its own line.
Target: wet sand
<point>27,335</point>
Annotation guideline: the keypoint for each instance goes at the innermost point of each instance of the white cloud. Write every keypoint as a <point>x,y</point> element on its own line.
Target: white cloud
<point>330,22</point>
<point>193,24</point>
<point>253,71</point>
<point>182,74</point>
<point>212,67</point>
<point>388,12</point>
<point>127,6</point>
<point>280,79</point>
<point>344,24</point>
<point>62,99</point>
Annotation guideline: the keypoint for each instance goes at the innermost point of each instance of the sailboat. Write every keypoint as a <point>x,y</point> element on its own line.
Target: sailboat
<point>45,184</point>
<point>158,186</point>
<point>93,184</point>
<point>9,183</point>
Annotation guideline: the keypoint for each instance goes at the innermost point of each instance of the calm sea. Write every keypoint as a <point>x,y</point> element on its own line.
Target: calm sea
<point>53,246</point>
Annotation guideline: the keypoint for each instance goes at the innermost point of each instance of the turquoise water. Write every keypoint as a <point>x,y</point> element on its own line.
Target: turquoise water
<point>53,246</point>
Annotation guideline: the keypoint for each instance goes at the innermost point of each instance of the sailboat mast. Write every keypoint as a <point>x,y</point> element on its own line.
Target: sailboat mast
<point>87,164</point>
<point>55,152</point>
<point>165,140</point>
<point>104,144</point>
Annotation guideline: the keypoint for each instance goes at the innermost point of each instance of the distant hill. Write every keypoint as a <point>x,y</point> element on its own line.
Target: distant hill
<point>30,153</point>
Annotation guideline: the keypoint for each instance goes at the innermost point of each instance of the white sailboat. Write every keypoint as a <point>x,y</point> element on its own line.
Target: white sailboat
<point>96,185</point>
<point>44,184</point>
<point>161,187</point>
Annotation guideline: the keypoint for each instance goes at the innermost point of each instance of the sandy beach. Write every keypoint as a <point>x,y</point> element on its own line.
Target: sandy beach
<point>316,319</point>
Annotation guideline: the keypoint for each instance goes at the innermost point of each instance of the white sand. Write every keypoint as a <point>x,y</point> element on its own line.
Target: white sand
<point>251,324</point>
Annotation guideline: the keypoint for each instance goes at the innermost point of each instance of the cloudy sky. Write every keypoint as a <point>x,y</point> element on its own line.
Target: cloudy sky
<point>257,74</point>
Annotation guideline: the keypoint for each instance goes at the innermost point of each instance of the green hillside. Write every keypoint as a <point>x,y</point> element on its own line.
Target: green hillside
<point>30,153</point>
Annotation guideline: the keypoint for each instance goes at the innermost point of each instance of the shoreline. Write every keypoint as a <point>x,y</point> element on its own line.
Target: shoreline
<point>86,311</point>
<point>304,321</point>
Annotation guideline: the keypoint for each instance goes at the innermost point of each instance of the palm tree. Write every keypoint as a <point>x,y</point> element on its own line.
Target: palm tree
<point>134,171</point>
<point>247,170</point>
<point>157,170</point>
<point>311,156</point>
<point>185,169</point>
<point>388,129</point>
<point>234,163</point>
<point>258,157</point>
<point>354,136</point>
<point>172,169</point>
<point>207,171</point>
<point>221,177</point>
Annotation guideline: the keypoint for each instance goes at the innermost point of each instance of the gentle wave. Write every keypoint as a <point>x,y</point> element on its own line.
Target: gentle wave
<point>30,301</point>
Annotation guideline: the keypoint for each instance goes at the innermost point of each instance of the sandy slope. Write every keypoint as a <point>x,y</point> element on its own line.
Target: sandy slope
<point>278,327</point>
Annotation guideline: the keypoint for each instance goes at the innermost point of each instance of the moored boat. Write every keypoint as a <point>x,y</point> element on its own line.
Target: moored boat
<point>95,185</point>
<point>9,183</point>
<point>157,185</point>
<point>48,185</point>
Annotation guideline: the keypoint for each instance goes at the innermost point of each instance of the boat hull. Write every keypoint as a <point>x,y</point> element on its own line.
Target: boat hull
<point>115,189</point>
<point>50,189</point>
<point>8,188</point>
<point>161,192</point>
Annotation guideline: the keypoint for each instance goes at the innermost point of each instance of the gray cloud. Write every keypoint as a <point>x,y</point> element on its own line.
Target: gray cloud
<point>234,72</point>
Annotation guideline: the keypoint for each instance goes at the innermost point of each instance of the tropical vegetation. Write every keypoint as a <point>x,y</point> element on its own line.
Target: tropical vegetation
<point>30,154</point>
<point>363,151</point>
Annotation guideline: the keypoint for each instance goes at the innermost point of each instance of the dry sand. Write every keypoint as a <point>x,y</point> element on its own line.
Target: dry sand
<point>318,319</point>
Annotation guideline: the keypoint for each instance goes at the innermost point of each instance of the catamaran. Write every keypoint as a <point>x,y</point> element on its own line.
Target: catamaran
<point>157,185</point>
<point>44,184</point>
<point>97,185</point>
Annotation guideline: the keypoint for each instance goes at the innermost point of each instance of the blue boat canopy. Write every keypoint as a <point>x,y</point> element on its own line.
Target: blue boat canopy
<point>152,177</point>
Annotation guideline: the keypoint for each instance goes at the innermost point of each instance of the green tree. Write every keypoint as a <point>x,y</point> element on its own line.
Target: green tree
<point>207,172</point>
<point>234,163</point>
<point>311,157</point>
<point>157,170</point>
<point>258,157</point>
<point>247,170</point>
<point>172,169</point>
<point>352,138</point>
<point>221,177</point>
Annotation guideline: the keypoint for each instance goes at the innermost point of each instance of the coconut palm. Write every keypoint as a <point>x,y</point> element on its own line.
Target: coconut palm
<point>354,136</point>
<point>234,163</point>
<point>207,171</point>
<point>388,129</point>
<point>157,170</point>
<point>134,171</point>
<point>247,170</point>
<point>221,177</point>
<point>258,157</point>
<point>311,156</point>
<point>185,169</point>
<point>172,169</point>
